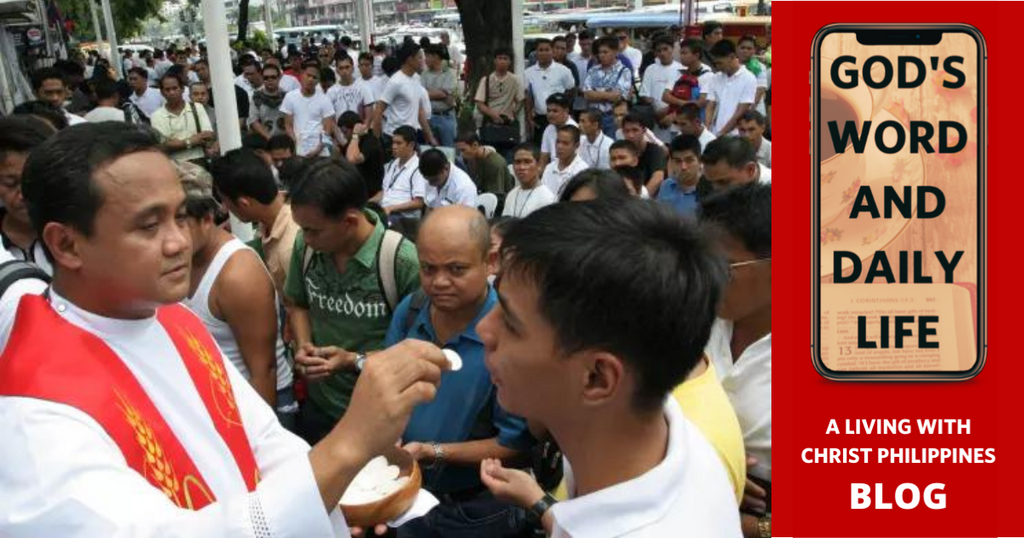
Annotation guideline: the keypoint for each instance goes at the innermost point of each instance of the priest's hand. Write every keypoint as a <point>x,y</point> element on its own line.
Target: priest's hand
<point>392,383</point>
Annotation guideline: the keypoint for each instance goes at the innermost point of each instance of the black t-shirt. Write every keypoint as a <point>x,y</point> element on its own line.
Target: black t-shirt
<point>652,160</point>
<point>241,99</point>
<point>372,167</point>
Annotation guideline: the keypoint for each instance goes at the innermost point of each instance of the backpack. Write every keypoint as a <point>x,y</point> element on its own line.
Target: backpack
<point>12,271</point>
<point>387,258</point>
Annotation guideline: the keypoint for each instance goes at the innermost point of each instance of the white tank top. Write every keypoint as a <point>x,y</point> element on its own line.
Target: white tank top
<point>199,302</point>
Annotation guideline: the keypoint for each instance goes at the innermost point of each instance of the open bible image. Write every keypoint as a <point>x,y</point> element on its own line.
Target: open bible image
<point>898,175</point>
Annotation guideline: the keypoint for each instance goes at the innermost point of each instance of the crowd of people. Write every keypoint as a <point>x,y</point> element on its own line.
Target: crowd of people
<point>603,270</point>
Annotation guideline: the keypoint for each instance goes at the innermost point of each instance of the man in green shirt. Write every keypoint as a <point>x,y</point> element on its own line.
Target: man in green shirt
<point>340,309</point>
<point>485,165</point>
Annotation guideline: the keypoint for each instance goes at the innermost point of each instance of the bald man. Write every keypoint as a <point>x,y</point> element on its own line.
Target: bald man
<point>464,424</point>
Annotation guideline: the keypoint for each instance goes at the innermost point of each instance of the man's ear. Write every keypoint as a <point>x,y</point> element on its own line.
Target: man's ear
<point>64,244</point>
<point>604,377</point>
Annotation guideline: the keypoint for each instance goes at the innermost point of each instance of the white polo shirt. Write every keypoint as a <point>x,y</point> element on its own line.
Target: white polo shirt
<point>658,78</point>
<point>403,96</point>
<point>706,137</point>
<point>149,102</point>
<point>544,82</point>
<point>555,177</point>
<point>748,382</point>
<point>550,136</point>
<point>521,202</point>
<point>766,174</point>
<point>729,92</point>
<point>402,183</point>
<point>459,189</point>
<point>687,494</point>
<point>596,153</point>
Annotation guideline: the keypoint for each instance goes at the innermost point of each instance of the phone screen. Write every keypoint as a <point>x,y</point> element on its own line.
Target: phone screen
<point>898,151</point>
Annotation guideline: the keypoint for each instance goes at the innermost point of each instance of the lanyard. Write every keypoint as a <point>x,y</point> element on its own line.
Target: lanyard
<point>398,170</point>
<point>518,212</point>
<point>595,155</point>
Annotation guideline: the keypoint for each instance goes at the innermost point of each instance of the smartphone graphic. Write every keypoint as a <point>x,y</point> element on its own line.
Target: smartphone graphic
<point>898,140</point>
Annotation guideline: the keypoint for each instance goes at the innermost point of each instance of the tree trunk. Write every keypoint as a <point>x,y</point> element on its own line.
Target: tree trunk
<point>243,20</point>
<point>486,27</point>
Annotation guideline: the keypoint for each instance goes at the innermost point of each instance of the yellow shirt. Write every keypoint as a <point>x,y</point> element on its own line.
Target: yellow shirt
<point>705,403</point>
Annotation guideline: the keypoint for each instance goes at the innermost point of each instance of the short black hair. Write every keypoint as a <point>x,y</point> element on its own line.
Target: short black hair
<point>710,27</point>
<point>572,130</point>
<point>636,319</point>
<point>291,170</point>
<point>253,140</point>
<point>69,68</point>
<point>626,145</point>
<point>558,38</point>
<point>390,65</point>
<point>104,88</point>
<point>636,118</point>
<point>592,114</point>
<point>58,181</point>
<point>247,60</point>
<point>241,173</point>
<point>43,110</point>
<point>560,100</point>
<point>607,41</point>
<point>694,45</point>
<point>346,41</point>
<point>605,184</point>
<point>406,51</point>
<point>662,39</point>
<point>365,57</point>
<point>41,75</point>
<point>734,150</point>
<point>407,133</point>
<point>748,37</point>
<point>327,75</point>
<point>504,51</point>
<point>723,49</point>
<point>22,134</point>
<point>745,213</point>
<point>140,72</point>
<point>171,76</point>
<point>432,162</point>
<point>310,64</point>
<point>280,141</point>
<point>755,116</point>
<point>349,119</point>
<point>467,136</point>
<point>683,143</point>
<point>633,174</point>
<point>527,146</point>
<point>333,186</point>
<point>434,50</point>
<point>542,41</point>
<point>343,56</point>
<point>690,110</point>
<point>273,67</point>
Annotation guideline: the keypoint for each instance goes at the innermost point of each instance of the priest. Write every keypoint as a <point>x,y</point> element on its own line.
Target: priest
<point>120,416</point>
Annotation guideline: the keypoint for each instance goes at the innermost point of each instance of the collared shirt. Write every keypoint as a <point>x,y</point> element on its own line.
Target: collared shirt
<point>62,470</point>
<point>685,200</point>
<point>463,396</point>
<point>729,92</point>
<point>705,403</point>
<point>181,126</point>
<point>550,136</point>
<point>618,78</point>
<point>347,309</point>
<point>555,177</point>
<point>458,189</point>
<point>403,183</point>
<point>278,243</point>
<point>502,94</point>
<point>687,494</point>
<point>748,382</point>
<point>521,202</point>
<point>597,153</point>
<point>764,153</point>
<point>149,102</point>
<point>542,82</point>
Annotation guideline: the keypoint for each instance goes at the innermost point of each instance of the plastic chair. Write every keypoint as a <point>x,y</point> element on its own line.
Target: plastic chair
<point>487,202</point>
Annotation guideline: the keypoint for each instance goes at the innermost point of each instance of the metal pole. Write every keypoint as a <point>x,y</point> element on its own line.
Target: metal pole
<point>96,23</point>
<point>268,19</point>
<point>8,90</point>
<point>519,46</point>
<point>115,58</point>
<point>229,134</point>
<point>364,14</point>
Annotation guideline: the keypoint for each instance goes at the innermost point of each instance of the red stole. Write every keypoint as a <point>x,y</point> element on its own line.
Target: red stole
<point>49,358</point>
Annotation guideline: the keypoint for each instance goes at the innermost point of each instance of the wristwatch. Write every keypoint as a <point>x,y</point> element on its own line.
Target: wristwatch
<point>360,361</point>
<point>439,456</point>
<point>536,512</point>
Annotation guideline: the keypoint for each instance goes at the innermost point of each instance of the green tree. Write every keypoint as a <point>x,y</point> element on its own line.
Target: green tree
<point>129,16</point>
